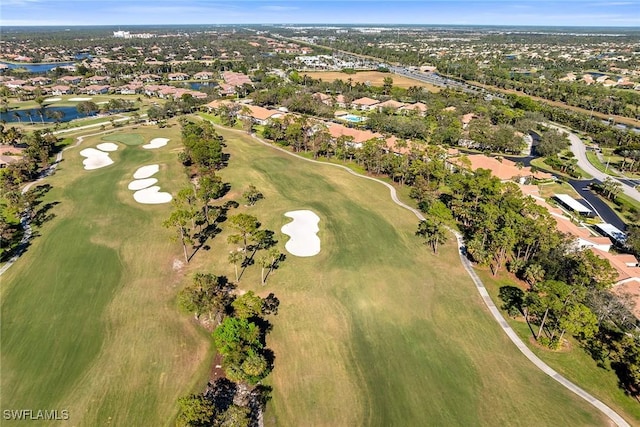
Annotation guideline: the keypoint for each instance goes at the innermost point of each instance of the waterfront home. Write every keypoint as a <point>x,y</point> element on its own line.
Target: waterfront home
<point>178,77</point>
<point>203,75</point>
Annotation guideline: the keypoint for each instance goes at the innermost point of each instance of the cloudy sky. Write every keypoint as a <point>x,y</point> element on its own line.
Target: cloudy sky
<point>456,12</point>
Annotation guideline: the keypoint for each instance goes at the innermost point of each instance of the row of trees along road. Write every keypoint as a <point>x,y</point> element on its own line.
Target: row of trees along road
<point>239,323</point>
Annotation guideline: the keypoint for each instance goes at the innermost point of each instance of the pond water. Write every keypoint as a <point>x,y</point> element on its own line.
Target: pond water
<point>70,113</point>
<point>199,85</point>
<point>37,68</point>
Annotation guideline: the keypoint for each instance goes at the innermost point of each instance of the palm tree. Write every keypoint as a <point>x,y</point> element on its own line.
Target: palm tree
<point>433,232</point>
<point>533,274</point>
<point>29,114</point>
<point>234,258</point>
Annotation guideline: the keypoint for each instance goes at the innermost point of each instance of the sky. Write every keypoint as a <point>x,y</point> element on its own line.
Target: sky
<point>453,12</point>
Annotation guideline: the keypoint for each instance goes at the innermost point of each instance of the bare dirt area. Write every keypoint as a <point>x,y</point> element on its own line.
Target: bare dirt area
<point>375,78</point>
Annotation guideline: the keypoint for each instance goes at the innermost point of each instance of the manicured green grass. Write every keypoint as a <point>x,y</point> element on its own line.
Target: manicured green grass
<point>126,138</point>
<point>375,330</point>
<point>540,164</point>
<point>625,207</point>
<point>550,189</point>
<point>575,364</point>
<point>595,161</point>
<point>89,322</point>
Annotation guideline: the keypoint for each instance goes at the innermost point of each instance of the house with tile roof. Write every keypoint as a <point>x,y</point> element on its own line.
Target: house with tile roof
<point>365,103</point>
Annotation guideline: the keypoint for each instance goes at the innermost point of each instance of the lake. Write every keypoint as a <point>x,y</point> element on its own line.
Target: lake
<point>70,113</point>
<point>37,68</point>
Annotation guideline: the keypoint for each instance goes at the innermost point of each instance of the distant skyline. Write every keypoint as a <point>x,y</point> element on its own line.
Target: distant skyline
<point>452,12</point>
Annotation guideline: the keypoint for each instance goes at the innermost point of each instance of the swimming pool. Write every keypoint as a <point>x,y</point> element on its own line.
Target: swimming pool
<point>353,118</point>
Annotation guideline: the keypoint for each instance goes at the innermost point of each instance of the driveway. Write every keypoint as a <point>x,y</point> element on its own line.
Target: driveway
<point>602,209</point>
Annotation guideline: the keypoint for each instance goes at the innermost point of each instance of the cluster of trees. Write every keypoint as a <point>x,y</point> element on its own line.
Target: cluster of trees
<point>569,288</point>
<point>609,188</point>
<point>240,334</point>
<point>240,338</point>
<point>590,97</point>
<point>498,139</point>
<point>602,133</point>
<point>239,323</point>
<point>174,107</point>
<point>194,218</point>
<point>39,148</point>
<point>630,155</point>
<point>257,244</point>
<point>551,143</point>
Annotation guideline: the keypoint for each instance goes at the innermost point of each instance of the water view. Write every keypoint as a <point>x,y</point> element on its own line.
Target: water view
<point>39,115</point>
<point>37,68</point>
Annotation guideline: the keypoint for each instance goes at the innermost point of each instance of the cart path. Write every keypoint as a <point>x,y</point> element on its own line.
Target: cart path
<point>610,413</point>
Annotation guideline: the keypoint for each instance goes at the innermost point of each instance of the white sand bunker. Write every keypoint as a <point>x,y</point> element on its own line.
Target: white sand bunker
<point>152,196</point>
<point>303,231</point>
<point>146,171</point>
<point>95,159</point>
<point>79,99</point>
<point>107,146</point>
<point>156,143</point>
<point>52,99</point>
<point>139,184</point>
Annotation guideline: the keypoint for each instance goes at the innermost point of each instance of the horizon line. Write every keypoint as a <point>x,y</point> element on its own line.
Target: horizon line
<point>328,24</point>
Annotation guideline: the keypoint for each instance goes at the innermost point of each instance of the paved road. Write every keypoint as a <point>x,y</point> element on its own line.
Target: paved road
<point>580,152</point>
<point>484,294</point>
<point>596,203</point>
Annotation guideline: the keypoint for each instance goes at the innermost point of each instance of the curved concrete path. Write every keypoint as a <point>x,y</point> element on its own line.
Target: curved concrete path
<point>613,416</point>
<point>579,150</point>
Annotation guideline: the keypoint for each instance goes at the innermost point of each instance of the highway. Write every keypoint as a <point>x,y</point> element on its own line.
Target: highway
<point>433,78</point>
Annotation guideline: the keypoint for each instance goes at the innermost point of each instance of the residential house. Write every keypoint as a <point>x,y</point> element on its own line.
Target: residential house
<point>131,88</point>
<point>418,108</point>
<point>60,90</point>
<point>178,77</point>
<point>258,114</point>
<point>97,80</point>
<point>70,80</point>
<point>323,97</point>
<point>392,104</point>
<point>14,84</point>
<point>150,78</point>
<point>226,89</point>
<point>96,89</point>
<point>504,169</point>
<point>365,103</point>
<point>40,81</point>
<point>203,75</point>
<point>466,119</point>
